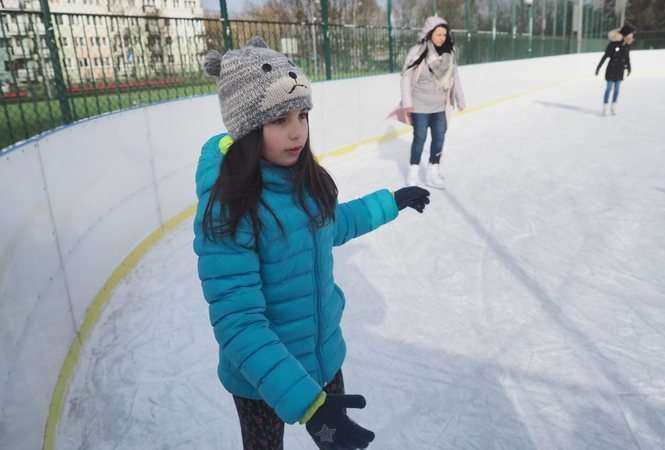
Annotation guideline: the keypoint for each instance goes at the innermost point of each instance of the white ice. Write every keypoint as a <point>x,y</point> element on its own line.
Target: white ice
<point>524,309</point>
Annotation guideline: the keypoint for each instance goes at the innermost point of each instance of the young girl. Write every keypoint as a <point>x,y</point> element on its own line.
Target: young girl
<point>430,86</point>
<point>265,226</point>
<point>618,53</point>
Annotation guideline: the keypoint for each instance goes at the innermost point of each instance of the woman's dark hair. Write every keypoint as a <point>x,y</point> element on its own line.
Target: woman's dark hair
<point>448,46</point>
<point>237,191</point>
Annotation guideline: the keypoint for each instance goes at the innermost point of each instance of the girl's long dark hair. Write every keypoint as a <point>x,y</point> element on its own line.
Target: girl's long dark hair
<point>237,191</point>
<point>448,46</point>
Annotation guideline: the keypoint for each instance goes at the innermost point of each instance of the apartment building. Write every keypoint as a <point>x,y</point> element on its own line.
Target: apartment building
<point>101,40</point>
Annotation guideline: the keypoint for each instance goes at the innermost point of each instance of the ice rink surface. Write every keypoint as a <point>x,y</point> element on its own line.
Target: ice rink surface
<point>525,309</point>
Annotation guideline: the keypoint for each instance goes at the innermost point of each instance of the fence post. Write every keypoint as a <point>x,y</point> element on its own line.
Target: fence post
<point>391,42</point>
<point>513,19</point>
<point>564,30</point>
<point>493,10</point>
<point>226,29</point>
<point>555,18</point>
<point>326,38</point>
<point>580,26</point>
<point>58,78</point>
<point>467,19</point>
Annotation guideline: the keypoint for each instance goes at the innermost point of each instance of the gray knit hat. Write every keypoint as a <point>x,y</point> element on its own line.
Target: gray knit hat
<point>255,85</point>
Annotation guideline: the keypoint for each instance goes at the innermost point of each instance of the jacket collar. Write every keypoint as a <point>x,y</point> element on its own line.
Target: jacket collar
<point>276,178</point>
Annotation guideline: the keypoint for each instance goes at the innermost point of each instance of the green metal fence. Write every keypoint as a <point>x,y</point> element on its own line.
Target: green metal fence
<point>86,65</point>
<point>649,40</point>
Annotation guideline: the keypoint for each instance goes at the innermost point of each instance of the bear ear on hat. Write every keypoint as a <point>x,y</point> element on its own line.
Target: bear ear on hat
<point>213,63</point>
<point>256,41</point>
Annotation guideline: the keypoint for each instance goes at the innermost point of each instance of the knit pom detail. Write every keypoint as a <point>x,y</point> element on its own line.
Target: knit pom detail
<point>213,63</point>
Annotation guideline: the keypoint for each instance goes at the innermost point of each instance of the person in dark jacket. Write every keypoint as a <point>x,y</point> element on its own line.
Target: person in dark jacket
<point>618,53</point>
<point>265,227</point>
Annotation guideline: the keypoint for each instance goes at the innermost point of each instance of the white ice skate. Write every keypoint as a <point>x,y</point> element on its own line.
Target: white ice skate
<point>604,113</point>
<point>434,178</point>
<point>613,108</point>
<point>412,178</point>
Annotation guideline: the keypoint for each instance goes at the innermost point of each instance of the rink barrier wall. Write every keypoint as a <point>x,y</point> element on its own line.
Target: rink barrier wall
<point>89,201</point>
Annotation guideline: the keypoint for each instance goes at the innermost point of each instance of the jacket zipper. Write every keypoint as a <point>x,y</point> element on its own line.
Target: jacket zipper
<point>318,306</point>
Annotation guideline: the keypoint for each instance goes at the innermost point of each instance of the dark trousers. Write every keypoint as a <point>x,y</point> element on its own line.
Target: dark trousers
<point>261,428</point>
<point>421,122</point>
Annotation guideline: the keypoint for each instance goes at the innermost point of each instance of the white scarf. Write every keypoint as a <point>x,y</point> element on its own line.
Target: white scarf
<point>441,66</point>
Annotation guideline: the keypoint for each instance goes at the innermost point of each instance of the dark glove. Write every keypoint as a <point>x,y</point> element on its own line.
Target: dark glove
<point>331,428</point>
<point>412,196</point>
<point>597,72</point>
<point>628,73</point>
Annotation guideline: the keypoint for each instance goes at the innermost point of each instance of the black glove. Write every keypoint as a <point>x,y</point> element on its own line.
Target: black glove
<point>331,428</point>
<point>597,70</point>
<point>412,196</point>
<point>628,73</point>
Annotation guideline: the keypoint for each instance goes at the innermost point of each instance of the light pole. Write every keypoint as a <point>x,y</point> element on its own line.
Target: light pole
<point>623,12</point>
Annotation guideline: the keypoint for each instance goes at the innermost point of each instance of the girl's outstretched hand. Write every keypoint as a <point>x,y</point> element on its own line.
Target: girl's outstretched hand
<point>412,196</point>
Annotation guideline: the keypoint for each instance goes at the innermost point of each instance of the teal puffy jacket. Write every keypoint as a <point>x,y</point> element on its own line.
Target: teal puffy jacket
<point>276,311</point>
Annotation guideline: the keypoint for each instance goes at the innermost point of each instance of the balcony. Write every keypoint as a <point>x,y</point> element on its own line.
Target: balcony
<point>152,27</point>
<point>19,53</point>
<point>12,30</point>
<point>150,10</point>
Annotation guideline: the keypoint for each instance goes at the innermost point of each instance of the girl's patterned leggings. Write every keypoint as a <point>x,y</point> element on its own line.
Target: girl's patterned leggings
<point>261,428</point>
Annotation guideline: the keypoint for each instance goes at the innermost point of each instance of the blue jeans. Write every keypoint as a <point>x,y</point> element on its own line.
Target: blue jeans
<point>421,121</point>
<point>610,84</point>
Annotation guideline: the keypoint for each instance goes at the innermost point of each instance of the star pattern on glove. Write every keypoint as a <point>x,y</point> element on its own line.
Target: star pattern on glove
<point>326,434</point>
